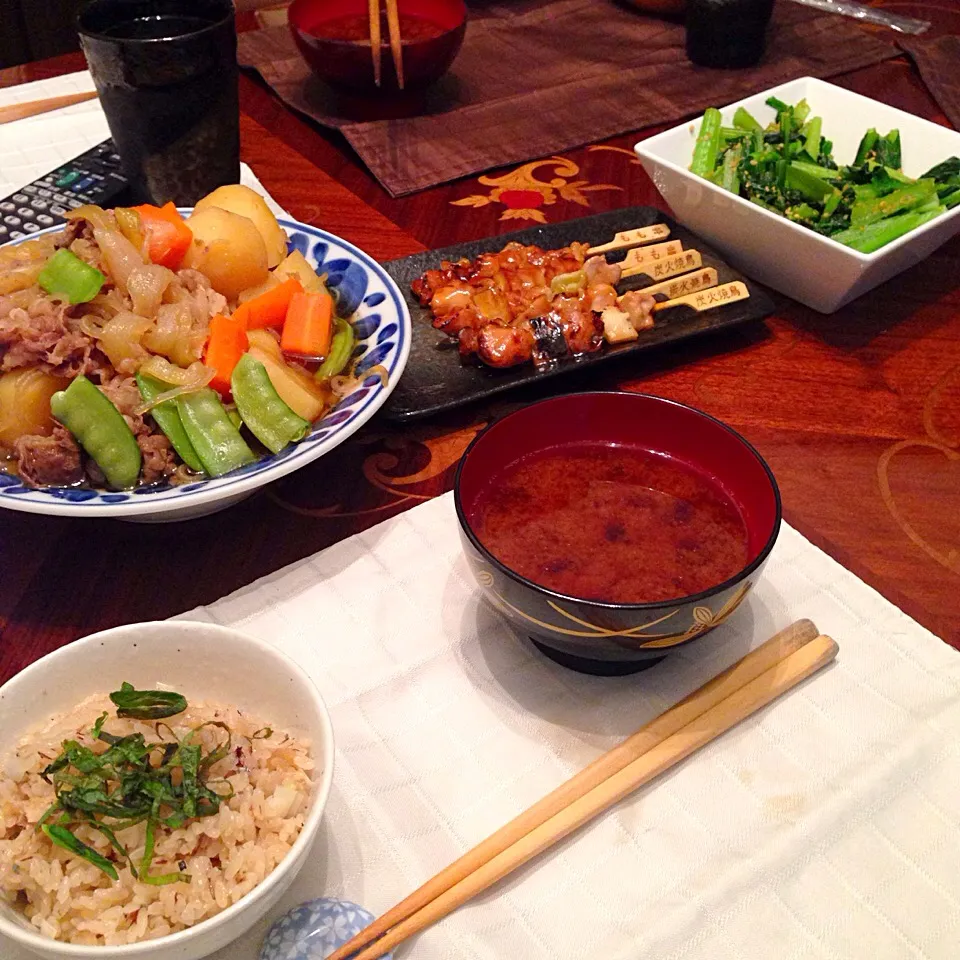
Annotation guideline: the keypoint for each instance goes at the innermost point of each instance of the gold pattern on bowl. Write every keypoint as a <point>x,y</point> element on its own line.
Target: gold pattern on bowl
<point>704,619</point>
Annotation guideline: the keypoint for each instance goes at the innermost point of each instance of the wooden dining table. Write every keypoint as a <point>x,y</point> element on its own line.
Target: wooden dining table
<point>857,413</point>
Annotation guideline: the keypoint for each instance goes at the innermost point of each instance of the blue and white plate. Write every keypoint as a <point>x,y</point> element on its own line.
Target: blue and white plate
<point>382,325</point>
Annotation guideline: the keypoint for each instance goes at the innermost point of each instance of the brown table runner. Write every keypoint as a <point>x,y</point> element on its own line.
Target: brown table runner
<point>534,79</point>
<point>938,60</point>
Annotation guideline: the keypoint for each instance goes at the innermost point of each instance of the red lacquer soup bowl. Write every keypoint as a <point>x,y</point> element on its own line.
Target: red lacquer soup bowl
<point>613,528</point>
<point>333,37</point>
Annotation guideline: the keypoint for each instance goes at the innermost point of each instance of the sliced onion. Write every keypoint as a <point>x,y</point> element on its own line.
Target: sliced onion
<point>166,372</point>
<point>183,474</point>
<point>173,323</point>
<point>377,370</point>
<point>146,285</point>
<point>189,348</point>
<point>119,254</point>
<point>108,302</point>
<point>97,217</point>
<point>120,341</point>
<point>342,385</point>
<point>183,323</point>
<point>20,265</point>
<point>92,325</point>
<point>171,394</point>
<point>128,220</point>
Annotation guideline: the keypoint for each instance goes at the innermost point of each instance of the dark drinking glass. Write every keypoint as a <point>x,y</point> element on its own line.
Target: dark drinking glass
<point>166,73</point>
<point>727,33</point>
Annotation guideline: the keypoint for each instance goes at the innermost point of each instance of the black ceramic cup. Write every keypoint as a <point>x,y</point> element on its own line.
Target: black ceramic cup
<point>166,73</point>
<point>727,33</point>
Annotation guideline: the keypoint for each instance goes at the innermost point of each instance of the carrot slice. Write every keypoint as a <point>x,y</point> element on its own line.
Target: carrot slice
<point>308,327</point>
<point>168,236</point>
<point>270,308</point>
<point>226,345</point>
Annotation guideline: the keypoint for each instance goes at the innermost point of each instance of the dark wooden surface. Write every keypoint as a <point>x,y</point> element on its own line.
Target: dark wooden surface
<point>857,413</point>
<point>31,29</point>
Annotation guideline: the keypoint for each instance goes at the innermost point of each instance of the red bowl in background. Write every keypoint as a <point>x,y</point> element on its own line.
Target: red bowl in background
<point>617,638</point>
<point>347,63</point>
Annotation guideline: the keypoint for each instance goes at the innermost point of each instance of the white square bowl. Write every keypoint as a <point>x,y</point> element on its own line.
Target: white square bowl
<point>790,258</point>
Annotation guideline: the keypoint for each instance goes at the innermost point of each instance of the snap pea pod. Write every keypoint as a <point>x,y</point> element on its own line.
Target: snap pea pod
<point>66,275</point>
<point>100,429</point>
<point>168,420</point>
<point>340,350</point>
<point>267,417</point>
<point>214,437</point>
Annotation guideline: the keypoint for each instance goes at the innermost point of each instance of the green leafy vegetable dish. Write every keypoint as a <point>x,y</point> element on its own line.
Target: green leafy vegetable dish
<point>99,813</point>
<point>788,168</point>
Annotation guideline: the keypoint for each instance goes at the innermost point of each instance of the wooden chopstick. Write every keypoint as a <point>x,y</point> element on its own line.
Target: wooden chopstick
<point>33,108</point>
<point>396,43</point>
<point>749,668</point>
<point>373,9</point>
<point>739,705</point>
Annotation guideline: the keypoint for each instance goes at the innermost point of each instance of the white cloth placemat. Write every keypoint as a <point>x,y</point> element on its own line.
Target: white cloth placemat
<point>32,147</point>
<point>826,827</point>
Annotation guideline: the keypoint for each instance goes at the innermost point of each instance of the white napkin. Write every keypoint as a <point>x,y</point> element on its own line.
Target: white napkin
<point>828,826</point>
<point>33,147</point>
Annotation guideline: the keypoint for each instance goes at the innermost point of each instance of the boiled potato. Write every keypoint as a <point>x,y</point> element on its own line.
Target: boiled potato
<point>227,248</point>
<point>272,281</point>
<point>25,404</point>
<point>236,198</point>
<point>265,341</point>
<point>296,265</point>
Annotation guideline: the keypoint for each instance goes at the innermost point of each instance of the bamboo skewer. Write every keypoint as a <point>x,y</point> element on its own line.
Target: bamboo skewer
<point>708,299</point>
<point>684,284</point>
<point>667,267</point>
<point>739,705</point>
<point>33,108</point>
<point>396,44</point>
<point>653,735</point>
<point>373,10</point>
<point>632,238</point>
<point>656,251</point>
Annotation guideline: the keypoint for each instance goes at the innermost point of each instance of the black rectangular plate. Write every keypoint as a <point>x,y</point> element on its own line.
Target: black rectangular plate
<point>436,380</point>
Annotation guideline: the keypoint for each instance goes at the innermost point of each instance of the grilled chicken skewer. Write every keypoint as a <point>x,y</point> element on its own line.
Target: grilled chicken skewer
<point>526,304</point>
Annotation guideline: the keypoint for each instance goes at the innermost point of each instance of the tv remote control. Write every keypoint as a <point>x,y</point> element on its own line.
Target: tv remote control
<point>93,177</point>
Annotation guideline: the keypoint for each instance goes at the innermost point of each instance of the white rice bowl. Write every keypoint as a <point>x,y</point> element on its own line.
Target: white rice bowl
<point>225,855</point>
<point>241,859</point>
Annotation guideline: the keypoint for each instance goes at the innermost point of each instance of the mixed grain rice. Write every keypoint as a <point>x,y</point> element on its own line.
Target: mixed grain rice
<point>226,855</point>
